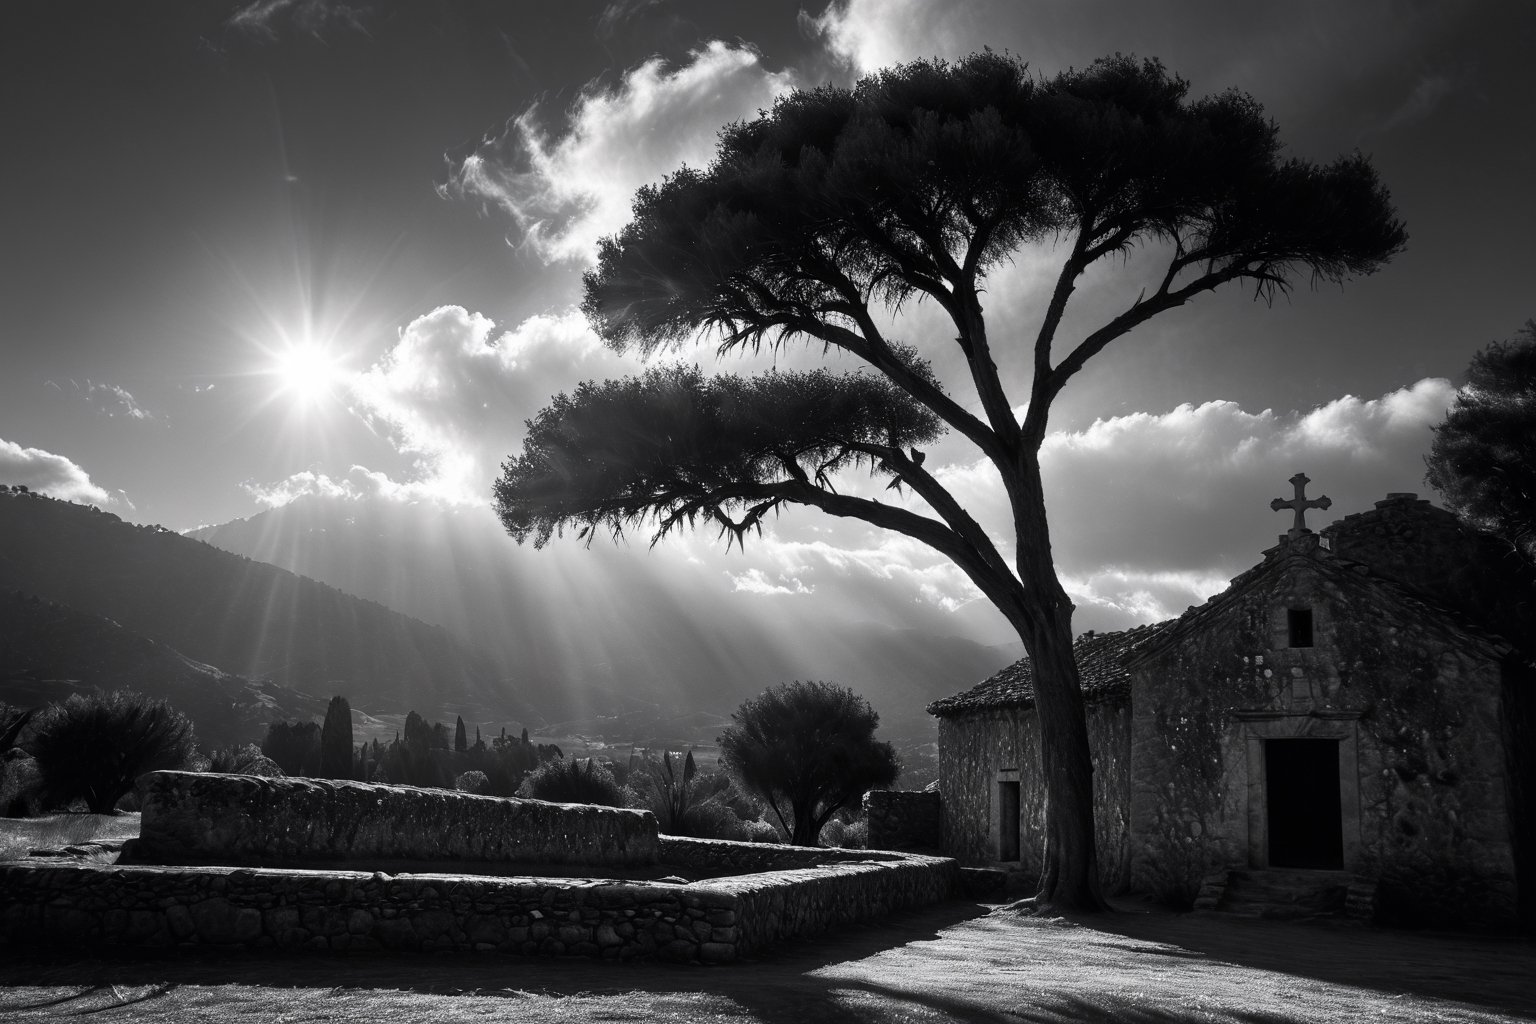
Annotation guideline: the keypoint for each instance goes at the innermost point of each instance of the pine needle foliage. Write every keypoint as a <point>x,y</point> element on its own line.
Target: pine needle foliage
<point>679,446</point>
<point>1483,458</point>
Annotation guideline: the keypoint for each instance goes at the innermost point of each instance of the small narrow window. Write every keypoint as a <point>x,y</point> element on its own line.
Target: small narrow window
<point>1300,622</point>
<point>1007,821</point>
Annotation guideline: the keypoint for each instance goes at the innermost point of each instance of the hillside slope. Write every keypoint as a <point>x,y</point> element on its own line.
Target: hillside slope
<point>49,651</point>
<point>246,617</point>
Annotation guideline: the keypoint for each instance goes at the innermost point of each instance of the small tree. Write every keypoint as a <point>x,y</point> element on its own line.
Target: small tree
<point>460,738</point>
<point>1483,459</point>
<point>93,747</point>
<point>336,740</point>
<point>807,749</point>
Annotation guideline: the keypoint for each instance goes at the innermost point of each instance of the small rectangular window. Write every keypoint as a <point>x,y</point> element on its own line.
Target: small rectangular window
<point>1299,620</point>
<point>1007,821</point>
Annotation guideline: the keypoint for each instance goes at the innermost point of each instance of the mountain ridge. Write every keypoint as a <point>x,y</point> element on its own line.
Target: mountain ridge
<point>248,618</point>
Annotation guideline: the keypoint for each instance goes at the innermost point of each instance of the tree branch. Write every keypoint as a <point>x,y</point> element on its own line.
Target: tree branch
<point>1142,310</point>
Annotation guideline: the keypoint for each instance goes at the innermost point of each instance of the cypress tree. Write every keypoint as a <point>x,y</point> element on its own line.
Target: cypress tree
<point>336,740</point>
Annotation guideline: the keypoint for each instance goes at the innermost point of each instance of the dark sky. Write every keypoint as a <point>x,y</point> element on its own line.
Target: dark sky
<point>259,249</point>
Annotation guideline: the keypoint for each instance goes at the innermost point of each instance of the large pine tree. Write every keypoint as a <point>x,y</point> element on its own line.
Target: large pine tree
<point>839,207</point>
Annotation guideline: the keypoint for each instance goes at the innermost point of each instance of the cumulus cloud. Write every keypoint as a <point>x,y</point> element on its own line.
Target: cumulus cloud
<point>50,474</point>
<point>756,581</point>
<point>1150,512</point>
<point>360,483</point>
<point>454,392</point>
<point>1153,512</point>
<point>565,191</point>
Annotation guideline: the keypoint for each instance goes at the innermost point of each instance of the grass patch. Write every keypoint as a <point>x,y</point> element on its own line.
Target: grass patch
<point>20,836</point>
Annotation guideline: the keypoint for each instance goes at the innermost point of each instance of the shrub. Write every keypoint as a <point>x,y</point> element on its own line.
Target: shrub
<point>92,748</point>
<point>760,831</point>
<point>471,782</point>
<point>850,835</point>
<point>12,721</point>
<point>686,802</point>
<point>20,785</point>
<point>243,759</point>
<point>577,780</point>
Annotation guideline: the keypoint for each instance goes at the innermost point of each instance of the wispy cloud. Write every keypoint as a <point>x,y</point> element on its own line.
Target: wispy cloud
<point>267,19</point>
<point>110,400</point>
<point>1430,92</point>
<point>50,474</point>
<point>565,190</point>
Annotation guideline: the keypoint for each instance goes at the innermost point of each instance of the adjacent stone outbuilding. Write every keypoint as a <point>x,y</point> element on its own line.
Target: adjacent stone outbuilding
<point>1357,706</point>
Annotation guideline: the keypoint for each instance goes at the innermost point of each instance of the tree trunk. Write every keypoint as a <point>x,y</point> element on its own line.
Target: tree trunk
<point>1069,878</point>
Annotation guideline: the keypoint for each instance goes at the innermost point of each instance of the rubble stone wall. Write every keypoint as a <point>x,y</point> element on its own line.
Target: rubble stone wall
<point>979,748</point>
<point>195,818</point>
<point>264,908</point>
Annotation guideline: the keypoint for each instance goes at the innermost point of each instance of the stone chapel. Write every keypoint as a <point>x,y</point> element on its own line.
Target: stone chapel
<point>1345,729</point>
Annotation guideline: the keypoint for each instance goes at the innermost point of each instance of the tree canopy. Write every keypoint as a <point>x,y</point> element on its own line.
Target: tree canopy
<point>807,749</point>
<point>1483,458</point>
<point>823,217</point>
<point>677,445</point>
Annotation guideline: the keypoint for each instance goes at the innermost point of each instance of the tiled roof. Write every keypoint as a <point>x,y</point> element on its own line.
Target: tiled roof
<point>1099,658</point>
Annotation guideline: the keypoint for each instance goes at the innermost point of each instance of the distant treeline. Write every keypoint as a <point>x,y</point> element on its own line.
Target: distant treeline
<point>424,754</point>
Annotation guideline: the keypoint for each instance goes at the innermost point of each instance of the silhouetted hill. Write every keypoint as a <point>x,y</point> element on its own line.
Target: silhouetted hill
<point>248,618</point>
<point>611,644</point>
<point>49,651</point>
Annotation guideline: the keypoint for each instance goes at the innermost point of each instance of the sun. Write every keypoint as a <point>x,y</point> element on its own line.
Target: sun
<point>306,373</point>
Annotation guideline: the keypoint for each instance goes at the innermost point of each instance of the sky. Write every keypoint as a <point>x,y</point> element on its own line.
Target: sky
<point>265,249</point>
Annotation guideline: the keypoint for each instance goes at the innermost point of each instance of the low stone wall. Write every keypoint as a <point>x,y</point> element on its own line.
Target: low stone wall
<point>726,857</point>
<point>778,905</point>
<point>196,818</point>
<point>904,820</point>
<point>713,922</point>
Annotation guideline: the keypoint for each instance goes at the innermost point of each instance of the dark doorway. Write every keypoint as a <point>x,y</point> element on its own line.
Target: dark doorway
<point>1302,791</point>
<point>1007,821</point>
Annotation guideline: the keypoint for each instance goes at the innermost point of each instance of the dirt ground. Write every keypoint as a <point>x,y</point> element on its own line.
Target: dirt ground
<point>957,961</point>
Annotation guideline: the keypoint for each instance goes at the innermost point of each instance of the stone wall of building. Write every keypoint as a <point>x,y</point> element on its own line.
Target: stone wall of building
<point>1412,700</point>
<point>977,747</point>
<point>904,820</point>
<point>264,908</point>
<point>194,818</point>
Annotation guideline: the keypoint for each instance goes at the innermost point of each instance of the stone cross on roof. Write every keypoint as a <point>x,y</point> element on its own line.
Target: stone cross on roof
<point>1300,503</point>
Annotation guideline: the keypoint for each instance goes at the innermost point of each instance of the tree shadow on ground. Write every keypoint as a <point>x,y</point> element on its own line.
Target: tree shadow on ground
<point>1496,971</point>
